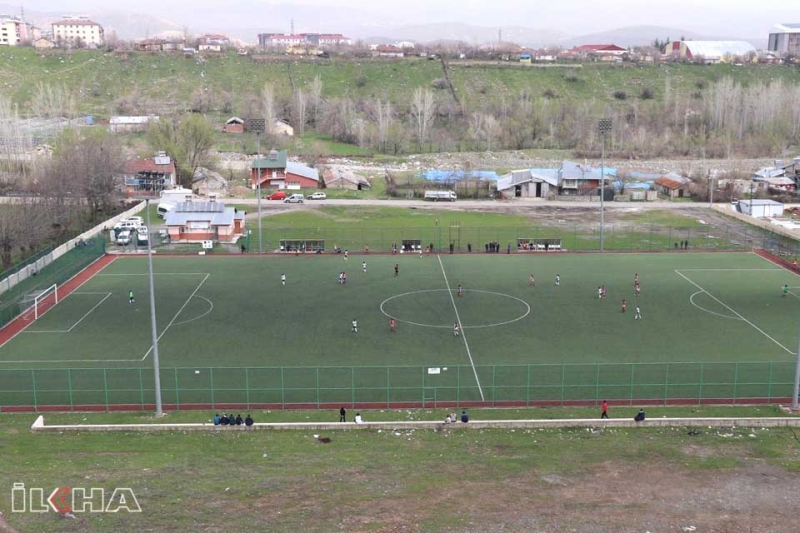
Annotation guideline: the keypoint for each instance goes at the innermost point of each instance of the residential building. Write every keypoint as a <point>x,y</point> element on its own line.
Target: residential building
<point>387,50</point>
<point>213,42</point>
<point>14,31</point>
<point>674,185</point>
<point>761,208</point>
<point>130,124</point>
<point>204,221</point>
<point>572,179</point>
<point>78,31</point>
<point>277,172</point>
<point>785,40</point>
<point>281,127</point>
<point>234,125</point>
<point>599,50</point>
<point>280,40</point>
<point>337,178</point>
<point>149,177</point>
<point>712,52</point>
<point>43,43</point>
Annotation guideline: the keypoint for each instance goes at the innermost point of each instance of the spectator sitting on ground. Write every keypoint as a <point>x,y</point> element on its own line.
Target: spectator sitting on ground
<point>239,420</point>
<point>248,421</point>
<point>464,417</point>
<point>358,419</point>
<point>639,416</point>
<point>224,420</point>
<point>216,419</point>
<point>448,420</point>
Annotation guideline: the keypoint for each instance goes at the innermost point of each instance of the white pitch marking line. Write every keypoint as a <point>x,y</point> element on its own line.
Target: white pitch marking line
<point>159,274</point>
<point>89,312</point>
<point>735,312</point>
<point>211,308</point>
<point>460,326</point>
<point>691,301</point>
<point>733,270</point>
<point>176,315</point>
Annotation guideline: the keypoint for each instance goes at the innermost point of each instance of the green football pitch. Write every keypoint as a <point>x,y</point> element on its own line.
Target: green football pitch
<point>714,327</point>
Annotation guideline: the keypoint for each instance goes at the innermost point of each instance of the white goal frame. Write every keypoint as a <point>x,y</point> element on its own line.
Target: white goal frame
<point>52,289</point>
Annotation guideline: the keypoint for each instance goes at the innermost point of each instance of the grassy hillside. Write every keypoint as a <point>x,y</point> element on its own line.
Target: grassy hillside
<point>164,83</point>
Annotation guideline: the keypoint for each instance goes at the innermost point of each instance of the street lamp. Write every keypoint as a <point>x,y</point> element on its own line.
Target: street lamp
<point>604,127</point>
<point>258,126</point>
<point>712,175</point>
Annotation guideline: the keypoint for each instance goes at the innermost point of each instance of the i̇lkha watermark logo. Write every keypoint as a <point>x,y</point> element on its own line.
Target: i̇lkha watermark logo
<point>66,500</point>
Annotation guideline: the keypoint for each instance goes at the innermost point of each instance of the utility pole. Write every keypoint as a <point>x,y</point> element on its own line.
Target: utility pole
<point>604,127</point>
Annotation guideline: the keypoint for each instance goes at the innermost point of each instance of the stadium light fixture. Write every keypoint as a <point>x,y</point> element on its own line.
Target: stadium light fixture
<point>604,126</point>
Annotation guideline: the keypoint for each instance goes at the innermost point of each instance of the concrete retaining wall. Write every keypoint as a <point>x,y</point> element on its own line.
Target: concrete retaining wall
<point>758,222</point>
<point>39,426</point>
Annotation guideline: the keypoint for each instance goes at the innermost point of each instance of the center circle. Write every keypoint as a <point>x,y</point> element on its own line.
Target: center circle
<point>437,307</point>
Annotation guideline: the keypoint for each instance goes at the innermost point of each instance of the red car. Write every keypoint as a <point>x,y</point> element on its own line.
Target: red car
<point>277,195</point>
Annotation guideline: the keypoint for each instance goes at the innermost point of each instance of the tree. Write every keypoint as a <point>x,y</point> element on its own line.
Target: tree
<point>383,118</point>
<point>92,163</point>
<point>315,98</point>
<point>268,107</point>
<point>423,109</point>
<point>299,109</point>
<point>188,142</point>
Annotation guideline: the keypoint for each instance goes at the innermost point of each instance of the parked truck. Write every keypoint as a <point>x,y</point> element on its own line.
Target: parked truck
<point>448,196</point>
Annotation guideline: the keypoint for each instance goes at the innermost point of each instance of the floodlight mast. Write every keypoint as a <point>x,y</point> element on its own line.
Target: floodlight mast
<point>604,126</point>
<point>258,126</point>
<point>153,327</point>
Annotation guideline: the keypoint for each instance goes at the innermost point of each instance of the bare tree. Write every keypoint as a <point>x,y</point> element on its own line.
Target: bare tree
<point>268,107</point>
<point>383,117</point>
<point>299,108</point>
<point>423,109</point>
<point>315,98</point>
<point>51,101</point>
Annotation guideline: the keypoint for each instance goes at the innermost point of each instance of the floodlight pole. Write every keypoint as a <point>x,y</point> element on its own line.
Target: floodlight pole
<point>796,393</point>
<point>710,189</point>
<point>154,331</point>
<point>604,126</point>
<point>258,186</point>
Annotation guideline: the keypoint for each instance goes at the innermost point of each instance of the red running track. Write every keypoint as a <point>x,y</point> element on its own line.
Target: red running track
<point>16,326</point>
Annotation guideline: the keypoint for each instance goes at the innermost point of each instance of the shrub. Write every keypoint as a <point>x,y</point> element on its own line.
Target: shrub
<point>361,81</point>
<point>620,95</point>
<point>647,94</point>
<point>549,94</point>
<point>441,83</point>
<point>571,77</point>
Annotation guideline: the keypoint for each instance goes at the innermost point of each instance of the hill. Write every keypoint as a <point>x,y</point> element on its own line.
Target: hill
<point>106,83</point>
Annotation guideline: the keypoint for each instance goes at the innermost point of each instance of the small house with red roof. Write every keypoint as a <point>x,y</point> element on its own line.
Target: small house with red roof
<point>674,185</point>
<point>600,51</point>
<point>149,177</point>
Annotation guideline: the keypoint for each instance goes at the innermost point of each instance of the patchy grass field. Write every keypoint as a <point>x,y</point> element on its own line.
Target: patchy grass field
<point>457,480</point>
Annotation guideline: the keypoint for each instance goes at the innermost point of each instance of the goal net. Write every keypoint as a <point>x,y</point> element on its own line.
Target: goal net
<point>37,302</point>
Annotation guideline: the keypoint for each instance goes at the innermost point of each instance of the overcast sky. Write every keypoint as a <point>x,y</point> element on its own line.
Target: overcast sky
<point>745,18</point>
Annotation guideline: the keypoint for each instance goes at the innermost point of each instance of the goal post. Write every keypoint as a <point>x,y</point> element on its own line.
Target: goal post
<point>40,301</point>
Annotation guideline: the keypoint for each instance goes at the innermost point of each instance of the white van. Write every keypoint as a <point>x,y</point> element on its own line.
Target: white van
<point>164,208</point>
<point>449,196</point>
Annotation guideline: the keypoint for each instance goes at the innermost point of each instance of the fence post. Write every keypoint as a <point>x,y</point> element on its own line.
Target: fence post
<point>735,381</point>
<point>563,377</point>
<point>352,386</point>
<point>633,367</point>
<point>246,387</point>
<point>650,240</point>
<point>69,384</point>
<point>700,392</point>
<point>388,387</point>
<point>666,385</point>
<point>494,384</point>
<point>769,385</point>
<point>210,384</point>
<point>177,391</point>
<point>105,387</point>
<point>33,384</point>
<point>283,392</point>
<point>458,386</point>
<point>141,389</point>
<point>596,382</point>
<point>316,375</point>
<point>528,389</point>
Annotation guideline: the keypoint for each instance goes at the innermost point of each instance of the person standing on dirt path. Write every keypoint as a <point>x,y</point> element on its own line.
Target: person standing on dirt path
<point>604,413</point>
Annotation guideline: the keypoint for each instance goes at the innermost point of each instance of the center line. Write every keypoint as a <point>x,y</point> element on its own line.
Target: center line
<point>461,327</point>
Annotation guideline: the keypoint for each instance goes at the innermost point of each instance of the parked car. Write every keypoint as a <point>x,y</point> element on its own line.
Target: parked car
<point>139,221</point>
<point>294,199</point>
<point>124,238</point>
<point>317,196</point>
<point>125,225</point>
<point>277,195</point>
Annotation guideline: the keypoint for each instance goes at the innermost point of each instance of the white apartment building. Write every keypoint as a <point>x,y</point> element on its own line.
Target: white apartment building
<point>15,31</point>
<point>78,30</point>
<point>785,39</point>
